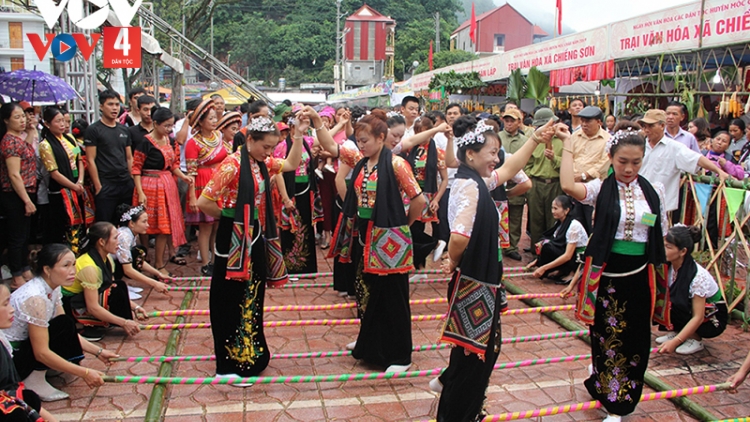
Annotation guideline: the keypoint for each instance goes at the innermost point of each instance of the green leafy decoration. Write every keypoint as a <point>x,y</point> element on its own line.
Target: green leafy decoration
<point>453,81</point>
<point>537,85</point>
<point>516,86</point>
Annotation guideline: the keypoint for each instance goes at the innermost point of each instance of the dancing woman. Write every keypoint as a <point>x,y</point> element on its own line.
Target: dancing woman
<point>248,253</point>
<point>473,248</point>
<point>373,233</point>
<point>203,153</point>
<point>71,207</point>
<point>155,164</point>
<point>619,274</point>
<point>299,191</point>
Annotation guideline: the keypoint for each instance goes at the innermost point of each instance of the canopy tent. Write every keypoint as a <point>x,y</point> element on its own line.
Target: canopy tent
<point>230,97</point>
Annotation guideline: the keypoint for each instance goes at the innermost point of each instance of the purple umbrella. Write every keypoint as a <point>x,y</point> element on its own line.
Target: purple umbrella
<point>35,86</point>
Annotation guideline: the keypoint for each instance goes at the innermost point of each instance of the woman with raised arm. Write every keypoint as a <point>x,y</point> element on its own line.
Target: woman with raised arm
<point>298,188</point>
<point>475,260</point>
<point>373,233</point>
<point>248,250</point>
<point>621,260</point>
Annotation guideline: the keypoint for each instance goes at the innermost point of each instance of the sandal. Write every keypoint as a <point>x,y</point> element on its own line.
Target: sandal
<point>178,260</point>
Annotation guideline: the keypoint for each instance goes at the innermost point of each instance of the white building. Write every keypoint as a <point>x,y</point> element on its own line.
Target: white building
<point>16,51</point>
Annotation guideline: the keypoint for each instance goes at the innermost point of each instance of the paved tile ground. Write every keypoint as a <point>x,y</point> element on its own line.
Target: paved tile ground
<point>391,400</point>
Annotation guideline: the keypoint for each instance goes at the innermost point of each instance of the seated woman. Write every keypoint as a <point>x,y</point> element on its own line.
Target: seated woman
<point>698,310</point>
<point>717,153</point>
<point>95,299</point>
<point>129,256</point>
<point>16,402</point>
<point>560,245</point>
<point>42,336</point>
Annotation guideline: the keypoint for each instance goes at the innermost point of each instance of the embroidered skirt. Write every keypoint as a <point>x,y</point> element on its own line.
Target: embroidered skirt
<point>300,254</point>
<point>114,299</point>
<point>59,227</point>
<point>467,376</point>
<point>385,332</point>
<point>621,335</point>
<point>344,273</point>
<point>162,205</point>
<point>237,309</point>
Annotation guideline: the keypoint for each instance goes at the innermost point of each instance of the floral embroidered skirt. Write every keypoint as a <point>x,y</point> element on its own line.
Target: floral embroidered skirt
<point>237,310</point>
<point>621,335</point>
<point>299,248</point>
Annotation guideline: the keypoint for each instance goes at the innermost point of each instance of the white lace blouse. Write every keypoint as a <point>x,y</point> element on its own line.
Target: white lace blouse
<point>462,204</point>
<point>640,205</point>
<point>703,285</point>
<point>576,234</point>
<point>125,242</point>
<point>35,303</point>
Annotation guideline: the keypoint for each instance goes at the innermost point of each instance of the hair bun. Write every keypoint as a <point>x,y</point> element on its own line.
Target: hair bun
<point>380,114</point>
<point>695,233</point>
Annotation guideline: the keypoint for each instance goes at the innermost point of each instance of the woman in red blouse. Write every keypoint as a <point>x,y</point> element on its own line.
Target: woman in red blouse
<point>154,162</point>
<point>18,182</point>
<point>248,250</point>
<point>374,235</point>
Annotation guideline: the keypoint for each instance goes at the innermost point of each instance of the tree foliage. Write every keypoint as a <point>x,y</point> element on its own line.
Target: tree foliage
<point>296,39</point>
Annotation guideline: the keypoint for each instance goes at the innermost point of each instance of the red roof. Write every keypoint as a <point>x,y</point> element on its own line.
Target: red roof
<point>368,14</point>
<point>485,14</point>
<point>539,32</point>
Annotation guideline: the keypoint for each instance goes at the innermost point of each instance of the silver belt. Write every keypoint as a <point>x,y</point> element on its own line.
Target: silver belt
<point>627,274</point>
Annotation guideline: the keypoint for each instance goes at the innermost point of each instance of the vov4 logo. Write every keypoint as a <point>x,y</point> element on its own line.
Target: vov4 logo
<point>122,45</point>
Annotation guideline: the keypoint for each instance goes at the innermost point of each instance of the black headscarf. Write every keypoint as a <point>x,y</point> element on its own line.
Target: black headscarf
<point>431,170</point>
<point>557,235</point>
<point>608,218</point>
<point>499,193</point>
<point>61,158</point>
<point>679,291</point>
<point>480,260</point>
<point>243,216</point>
<point>389,207</point>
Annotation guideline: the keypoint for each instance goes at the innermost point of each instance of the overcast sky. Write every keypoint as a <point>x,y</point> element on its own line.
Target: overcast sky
<point>586,14</point>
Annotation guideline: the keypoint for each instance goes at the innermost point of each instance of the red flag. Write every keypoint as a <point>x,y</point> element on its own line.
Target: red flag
<point>429,58</point>
<point>559,17</point>
<point>473,28</point>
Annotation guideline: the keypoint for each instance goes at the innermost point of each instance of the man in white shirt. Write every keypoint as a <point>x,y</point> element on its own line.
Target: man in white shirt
<point>675,113</point>
<point>410,111</point>
<point>665,158</point>
<point>575,106</point>
<point>452,112</point>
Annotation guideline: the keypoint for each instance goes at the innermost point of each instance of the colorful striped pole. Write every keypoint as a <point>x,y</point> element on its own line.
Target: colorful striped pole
<point>547,411</point>
<point>506,271</point>
<point>735,420</point>
<point>352,321</point>
<point>204,312</point>
<point>339,353</point>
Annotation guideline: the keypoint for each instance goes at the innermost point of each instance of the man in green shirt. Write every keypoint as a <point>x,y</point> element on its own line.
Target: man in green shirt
<point>543,169</point>
<point>513,139</point>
